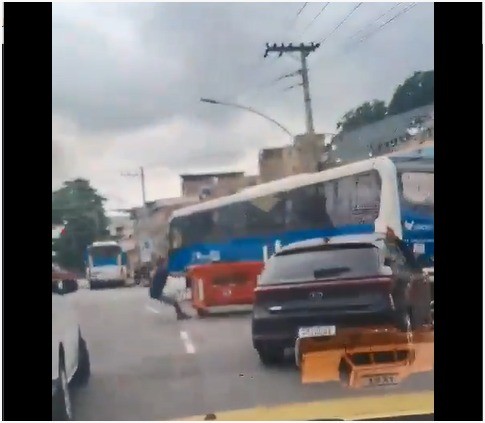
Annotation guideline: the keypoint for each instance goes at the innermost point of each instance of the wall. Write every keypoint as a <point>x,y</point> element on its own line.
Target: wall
<point>219,184</point>
<point>153,225</point>
<point>277,163</point>
<point>310,149</point>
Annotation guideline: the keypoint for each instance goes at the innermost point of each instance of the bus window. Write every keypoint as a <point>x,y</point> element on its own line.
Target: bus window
<point>265,215</point>
<point>104,252</point>
<point>417,190</point>
<point>342,206</point>
<point>224,223</point>
<point>308,208</point>
<point>175,235</point>
<point>201,227</point>
<point>366,198</point>
<point>237,214</point>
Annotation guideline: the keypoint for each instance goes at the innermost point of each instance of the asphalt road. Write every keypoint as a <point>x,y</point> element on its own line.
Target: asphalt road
<point>147,366</point>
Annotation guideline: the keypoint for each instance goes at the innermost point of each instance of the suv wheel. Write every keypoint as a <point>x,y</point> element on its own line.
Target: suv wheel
<point>83,371</point>
<point>61,402</point>
<point>270,355</point>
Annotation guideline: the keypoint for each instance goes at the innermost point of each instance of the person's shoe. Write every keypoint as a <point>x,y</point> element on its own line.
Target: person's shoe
<point>183,316</point>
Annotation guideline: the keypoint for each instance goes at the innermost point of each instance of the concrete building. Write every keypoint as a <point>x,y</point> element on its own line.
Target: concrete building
<point>304,155</point>
<point>120,225</point>
<point>277,163</point>
<point>311,150</point>
<point>151,225</point>
<point>251,180</point>
<point>383,137</point>
<point>212,185</point>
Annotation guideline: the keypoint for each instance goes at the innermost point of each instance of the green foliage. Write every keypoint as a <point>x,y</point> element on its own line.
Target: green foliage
<point>416,91</point>
<point>81,208</point>
<point>366,113</point>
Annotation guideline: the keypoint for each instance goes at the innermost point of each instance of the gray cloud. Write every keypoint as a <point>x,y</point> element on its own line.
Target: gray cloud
<point>127,79</point>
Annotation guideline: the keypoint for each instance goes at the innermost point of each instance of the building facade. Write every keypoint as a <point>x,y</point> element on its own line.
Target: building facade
<point>151,226</point>
<point>277,163</point>
<point>305,155</point>
<point>383,137</point>
<point>212,185</point>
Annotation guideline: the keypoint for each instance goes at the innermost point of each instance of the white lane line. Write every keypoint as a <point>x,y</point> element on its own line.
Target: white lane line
<point>189,347</point>
<point>153,310</point>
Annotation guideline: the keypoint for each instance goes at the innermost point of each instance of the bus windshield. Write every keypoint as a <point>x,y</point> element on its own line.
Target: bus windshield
<point>104,252</point>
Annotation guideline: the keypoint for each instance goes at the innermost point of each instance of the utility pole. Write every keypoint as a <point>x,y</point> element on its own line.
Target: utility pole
<point>143,221</point>
<point>304,50</point>
<point>142,175</point>
<point>142,178</point>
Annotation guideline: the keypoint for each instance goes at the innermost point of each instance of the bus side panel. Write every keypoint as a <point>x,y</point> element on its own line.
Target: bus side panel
<point>418,234</point>
<point>251,249</point>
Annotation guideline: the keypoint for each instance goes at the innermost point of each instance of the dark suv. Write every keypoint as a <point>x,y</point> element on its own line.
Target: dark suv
<point>343,282</point>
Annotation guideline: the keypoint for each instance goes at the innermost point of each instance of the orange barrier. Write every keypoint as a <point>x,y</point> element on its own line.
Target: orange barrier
<point>218,285</point>
<point>366,358</point>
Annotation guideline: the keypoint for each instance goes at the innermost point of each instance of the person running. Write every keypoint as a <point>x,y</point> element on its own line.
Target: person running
<point>157,286</point>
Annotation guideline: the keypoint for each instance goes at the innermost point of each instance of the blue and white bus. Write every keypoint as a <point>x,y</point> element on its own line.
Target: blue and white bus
<point>106,264</point>
<point>394,192</point>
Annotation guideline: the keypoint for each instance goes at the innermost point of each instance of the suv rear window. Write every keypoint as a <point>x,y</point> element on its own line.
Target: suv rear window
<point>320,264</point>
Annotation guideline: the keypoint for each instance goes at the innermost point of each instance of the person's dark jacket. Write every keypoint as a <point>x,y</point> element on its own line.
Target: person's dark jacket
<point>158,282</point>
<point>409,256</point>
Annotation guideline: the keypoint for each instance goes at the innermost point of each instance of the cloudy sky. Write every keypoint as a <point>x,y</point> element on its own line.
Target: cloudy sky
<point>127,79</point>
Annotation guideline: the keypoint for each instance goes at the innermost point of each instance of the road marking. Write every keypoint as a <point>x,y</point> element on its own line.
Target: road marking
<point>153,310</point>
<point>189,347</point>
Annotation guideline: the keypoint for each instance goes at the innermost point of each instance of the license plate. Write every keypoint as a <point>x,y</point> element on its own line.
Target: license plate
<point>379,380</point>
<point>314,331</point>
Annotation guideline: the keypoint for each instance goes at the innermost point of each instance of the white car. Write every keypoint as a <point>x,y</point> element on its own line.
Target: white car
<point>70,356</point>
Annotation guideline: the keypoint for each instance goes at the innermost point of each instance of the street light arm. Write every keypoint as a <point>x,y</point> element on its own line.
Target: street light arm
<point>248,109</point>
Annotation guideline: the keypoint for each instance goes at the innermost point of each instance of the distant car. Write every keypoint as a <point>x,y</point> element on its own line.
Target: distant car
<point>70,356</point>
<point>341,282</point>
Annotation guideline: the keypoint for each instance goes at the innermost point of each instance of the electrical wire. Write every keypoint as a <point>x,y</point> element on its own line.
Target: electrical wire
<point>375,20</point>
<point>341,22</point>
<point>301,9</point>
<point>396,16</point>
<point>316,16</point>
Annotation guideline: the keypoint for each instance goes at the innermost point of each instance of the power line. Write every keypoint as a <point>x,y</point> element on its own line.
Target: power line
<point>341,22</point>
<point>264,85</point>
<point>375,20</point>
<point>371,33</point>
<point>301,9</point>
<point>316,16</point>
<point>288,75</point>
<point>293,86</point>
<point>396,16</point>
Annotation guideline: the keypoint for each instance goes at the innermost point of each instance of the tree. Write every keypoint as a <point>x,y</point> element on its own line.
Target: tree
<point>416,91</point>
<point>81,208</point>
<point>366,113</point>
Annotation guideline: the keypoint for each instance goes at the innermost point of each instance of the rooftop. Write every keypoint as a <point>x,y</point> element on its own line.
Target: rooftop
<point>391,127</point>
<point>197,176</point>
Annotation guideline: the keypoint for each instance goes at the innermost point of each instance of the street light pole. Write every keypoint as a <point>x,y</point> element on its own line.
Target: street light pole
<point>248,109</point>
